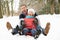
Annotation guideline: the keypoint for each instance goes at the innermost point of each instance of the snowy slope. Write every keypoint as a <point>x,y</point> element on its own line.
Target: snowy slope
<point>54,33</point>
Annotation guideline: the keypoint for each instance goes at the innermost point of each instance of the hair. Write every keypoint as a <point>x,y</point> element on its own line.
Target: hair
<point>23,5</point>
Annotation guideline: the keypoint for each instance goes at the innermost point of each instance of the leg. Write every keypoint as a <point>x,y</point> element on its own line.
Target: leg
<point>33,31</point>
<point>25,31</point>
<point>20,30</point>
<point>17,30</point>
<point>46,30</point>
<point>39,29</point>
<point>14,31</point>
<point>8,25</point>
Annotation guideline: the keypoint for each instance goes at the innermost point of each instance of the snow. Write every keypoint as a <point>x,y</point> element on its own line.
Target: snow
<point>54,32</point>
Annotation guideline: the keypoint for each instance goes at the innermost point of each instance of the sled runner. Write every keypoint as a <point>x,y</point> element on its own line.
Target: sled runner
<point>8,25</point>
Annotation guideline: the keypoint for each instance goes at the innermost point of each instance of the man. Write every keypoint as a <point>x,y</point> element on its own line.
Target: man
<point>24,11</point>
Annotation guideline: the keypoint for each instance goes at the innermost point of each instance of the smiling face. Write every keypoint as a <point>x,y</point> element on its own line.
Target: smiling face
<point>23,8</point>
<point>30,13</point>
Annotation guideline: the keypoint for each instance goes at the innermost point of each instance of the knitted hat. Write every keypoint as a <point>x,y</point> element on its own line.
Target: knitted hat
<point>31,10</point>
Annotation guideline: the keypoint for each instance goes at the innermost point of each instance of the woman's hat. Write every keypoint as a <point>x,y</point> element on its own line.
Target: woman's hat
<point>31,10</point>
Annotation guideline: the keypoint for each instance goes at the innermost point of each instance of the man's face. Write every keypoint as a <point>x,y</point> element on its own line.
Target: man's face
<point>23,8</point>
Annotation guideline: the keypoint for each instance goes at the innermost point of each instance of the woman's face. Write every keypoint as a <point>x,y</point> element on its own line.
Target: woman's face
<point>30,13</point>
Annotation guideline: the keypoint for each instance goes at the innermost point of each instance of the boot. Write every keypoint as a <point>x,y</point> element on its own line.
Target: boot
<point>8,25</point>
<point>47,29</point>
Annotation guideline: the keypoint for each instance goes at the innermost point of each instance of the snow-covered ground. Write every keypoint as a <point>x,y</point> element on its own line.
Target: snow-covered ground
<point>54,33</point>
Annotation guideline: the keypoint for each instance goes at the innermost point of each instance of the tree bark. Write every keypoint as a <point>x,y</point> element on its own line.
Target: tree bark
<point>8,11</point>
<point>12,7</point>
<point>0,10</point>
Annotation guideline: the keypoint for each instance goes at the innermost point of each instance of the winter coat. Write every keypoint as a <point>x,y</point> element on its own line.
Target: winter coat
<point>22,15</point>
<point>29,22</point>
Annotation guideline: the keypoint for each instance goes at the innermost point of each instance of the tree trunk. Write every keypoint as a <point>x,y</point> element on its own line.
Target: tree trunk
<point>59,5</point>
<point>8,11</point>
<point>52,8</point>
<point>12,7</point>
<point>0,10</point>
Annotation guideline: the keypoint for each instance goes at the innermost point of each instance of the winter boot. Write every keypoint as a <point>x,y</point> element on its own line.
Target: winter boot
<point>47,29</point>
<point>8,25</point>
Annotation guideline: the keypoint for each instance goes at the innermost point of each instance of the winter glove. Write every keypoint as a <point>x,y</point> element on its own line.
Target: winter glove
<point>22,23</point>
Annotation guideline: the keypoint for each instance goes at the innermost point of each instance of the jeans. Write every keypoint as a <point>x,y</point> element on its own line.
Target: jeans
<point>14,31</point>
<point>40,28</point>
<point>25,30</point>
<point>33,31</point>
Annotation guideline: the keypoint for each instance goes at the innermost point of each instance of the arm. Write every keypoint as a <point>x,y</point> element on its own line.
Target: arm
<point>21,16</point>
<point>35,15</point>
<point>37,24</point>
<point>35,21</point>
<point>22,23</point>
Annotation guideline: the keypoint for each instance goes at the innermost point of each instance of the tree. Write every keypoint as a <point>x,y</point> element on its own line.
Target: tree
<point>12,7</point>
<point>1,10</point>
<point>7,8</point>
<point>51,2</point>
<point>59,5</point>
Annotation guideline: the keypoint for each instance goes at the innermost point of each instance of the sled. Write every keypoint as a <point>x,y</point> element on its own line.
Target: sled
<point>46,31</point>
